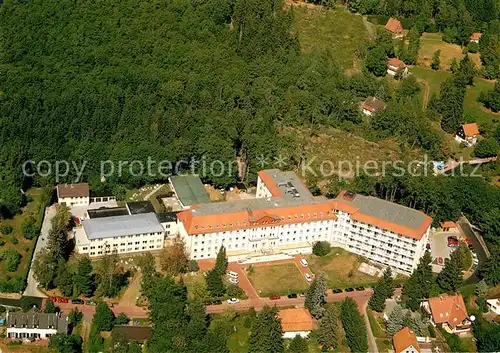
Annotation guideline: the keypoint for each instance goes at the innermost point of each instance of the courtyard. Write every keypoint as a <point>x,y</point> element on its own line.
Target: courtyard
<point>282,279</point>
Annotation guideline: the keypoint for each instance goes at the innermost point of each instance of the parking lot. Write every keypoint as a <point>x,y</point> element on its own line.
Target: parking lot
<point>440,249</point>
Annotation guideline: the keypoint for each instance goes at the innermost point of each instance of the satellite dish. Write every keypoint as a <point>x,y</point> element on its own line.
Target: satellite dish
<point>472,318</point>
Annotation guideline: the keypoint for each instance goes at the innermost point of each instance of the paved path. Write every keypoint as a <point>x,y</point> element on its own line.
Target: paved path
<point>41,243</point>
<point>372,343</point>
<point>244,282</point>
<point>152,192</point>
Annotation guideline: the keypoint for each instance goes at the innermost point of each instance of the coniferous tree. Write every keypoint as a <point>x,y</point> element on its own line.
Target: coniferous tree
<point>64,279</point>
<point>221,261</point>
<point>354,326</point>
<point>104,319</point>
<point>419,285</point>
<point>83,278</point>
<point>328,335</point>
<point>395,320</point>
<point>265,334</point>
<point>384,289</point>
<point>451,103</point>
<point>298,344</point>
<point>315,297</point>
<point>214,283</point>
<point>436,62</point>
<point>450,277</point>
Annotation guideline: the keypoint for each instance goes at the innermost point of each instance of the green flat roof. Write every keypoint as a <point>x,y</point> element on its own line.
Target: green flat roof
<point>189,189</point>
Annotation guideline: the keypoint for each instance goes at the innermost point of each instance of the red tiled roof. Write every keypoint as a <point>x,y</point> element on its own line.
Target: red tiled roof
<point>269,182</point>
<point>448,309</point>
<point>404,339</point>
<point>448,224</point>
<point>396,63</point>
<point>372,104</point>
<point>470,130</point>
<point>394,26</point>
<point>476,36</point>
<point>73,190</point>
<point>295,320</point>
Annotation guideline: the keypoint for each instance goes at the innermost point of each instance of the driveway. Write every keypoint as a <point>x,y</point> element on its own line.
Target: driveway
<point>32,285</point>
<point>439,248</point>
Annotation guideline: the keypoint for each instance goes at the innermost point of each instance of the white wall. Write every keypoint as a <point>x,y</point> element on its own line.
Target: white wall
<point>15,332</point>
<point>124,244</point>
<point>75,201</point>
<point>291,335</point>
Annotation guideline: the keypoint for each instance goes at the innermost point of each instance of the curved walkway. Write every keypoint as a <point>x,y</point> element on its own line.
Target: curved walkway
<point>372,343</point>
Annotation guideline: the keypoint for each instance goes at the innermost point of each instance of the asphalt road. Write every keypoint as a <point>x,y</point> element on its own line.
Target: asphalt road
<point>32,286</point>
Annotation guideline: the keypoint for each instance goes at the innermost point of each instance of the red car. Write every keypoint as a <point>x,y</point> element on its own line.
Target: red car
<point>468,241</point>
<point>453,241</point>
<point>274,297</point>
<point>62,300</point>
<point>53,298</point>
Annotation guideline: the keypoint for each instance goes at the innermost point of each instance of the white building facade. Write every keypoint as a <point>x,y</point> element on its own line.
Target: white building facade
<point>73,194</point>
<point>120,234</point>
<point>35,325</point>
<point>286,218</point>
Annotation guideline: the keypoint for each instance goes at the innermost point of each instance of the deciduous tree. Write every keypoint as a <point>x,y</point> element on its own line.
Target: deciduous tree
<point>174,259</point>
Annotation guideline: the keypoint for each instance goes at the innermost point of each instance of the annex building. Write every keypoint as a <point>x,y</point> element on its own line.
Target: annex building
<point>285,217</point>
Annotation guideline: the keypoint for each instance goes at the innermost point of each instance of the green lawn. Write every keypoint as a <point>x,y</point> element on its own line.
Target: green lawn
<point>277,279</point>
<point>473,110</point>
<point>330,31</point>
<point>23,246</point>
<point>341,269</point>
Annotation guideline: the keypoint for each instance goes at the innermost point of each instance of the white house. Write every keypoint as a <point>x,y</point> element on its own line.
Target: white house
<point>295,322</point>
<point>395,65</point>
<point>371,105</point>
<point>286,218</point>
<point>467,134</point>
<point>475,37</point>
<point>73,194</point>
<point>494,305</point>
<point>35,325</point>
<point>120,234</point>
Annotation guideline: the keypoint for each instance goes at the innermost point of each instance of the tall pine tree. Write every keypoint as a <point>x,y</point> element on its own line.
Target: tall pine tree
<point>354,326</point>
<point>315,297</point>
<point>419,285</point>
<point>450,278</point>
<point>328,335</point>
<point>383,290</point>
<point>221,261</point>
<point>265,334</point>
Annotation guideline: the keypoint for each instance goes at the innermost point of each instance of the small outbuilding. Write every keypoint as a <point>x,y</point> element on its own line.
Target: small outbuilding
<point>295,322</point>
<point>475,37</point>
<point>395,65</point>
<point>395,27</point>
<point>448,226</point>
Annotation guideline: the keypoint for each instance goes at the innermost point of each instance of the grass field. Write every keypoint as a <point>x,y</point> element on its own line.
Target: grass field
<point>24,246</point>
<point>472,108</point>
<point>31,348</point>
<point>332,31</point>
<point>431,42</point>
<point>341,269</point>
<point>277,279</point>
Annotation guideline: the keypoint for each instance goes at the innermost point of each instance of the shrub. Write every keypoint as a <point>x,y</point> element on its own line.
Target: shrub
<point>378,19</point>
<point>193,266</point>
<point>2,243</point>
<point>473,47</point>
<point>234,291</point>
<point>486,148</point>
<point>122,319</point>
<point>432,331</point>
<point>14,240</point>
<point>321,248</point>
<point>6,229</point>
<point>11,260</point>
<point>29,228</point>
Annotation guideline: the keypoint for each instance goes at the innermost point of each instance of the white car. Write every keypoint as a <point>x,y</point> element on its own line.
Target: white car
<point>233,301</point>
<point>304,262</point>
<point>232,274</point>
<point>308,277</point>
<point>233,280</point>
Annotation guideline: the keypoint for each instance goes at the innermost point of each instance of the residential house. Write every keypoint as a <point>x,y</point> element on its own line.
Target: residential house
<point>371,105</point>
<point>450,312</point>
<point>35,325</point>
<point>395,27</point>
<point>405,341</point>
<point>494,305</point>
<point>295,322</point>
<point>475,37</point>
<point>467,134</point>
<point>395,65</point>
<point>73,194</point>
<point>448,226</point>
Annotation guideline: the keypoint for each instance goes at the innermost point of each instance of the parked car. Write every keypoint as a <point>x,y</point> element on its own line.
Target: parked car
<point>77,301</point>
<point>274,297</point>
<point>304,262</point>
<point>336,291</point>
<point>349,289</point>
<point>232,274</point>
<point>233,301</point>
<point>308,277</point>
<point>453,241</point>
<point>90,302</point>
<point>302,295</point>
<point>217,302</point>
<point>428,246</point>
<point>62,300</point>
<point>360,288</point>
<point>53,298</point>
<point>292,296</point>
<point>233,280</point>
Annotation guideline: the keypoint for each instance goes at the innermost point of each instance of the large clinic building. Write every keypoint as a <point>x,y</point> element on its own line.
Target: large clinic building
<point>286,218</point>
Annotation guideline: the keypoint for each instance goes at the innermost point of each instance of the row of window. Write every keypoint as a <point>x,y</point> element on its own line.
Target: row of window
<point>126,237</point>
<point>122,250</point>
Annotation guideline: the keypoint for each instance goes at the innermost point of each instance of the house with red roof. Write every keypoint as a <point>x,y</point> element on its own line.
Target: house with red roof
<point>395,65</point>
<point>395,27</point>
<point>475,37</point>
<point>448,226</point>
<point>405,341</point>
<point>467,134</point>
<point>449,312</point>
<point>371,105</point>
